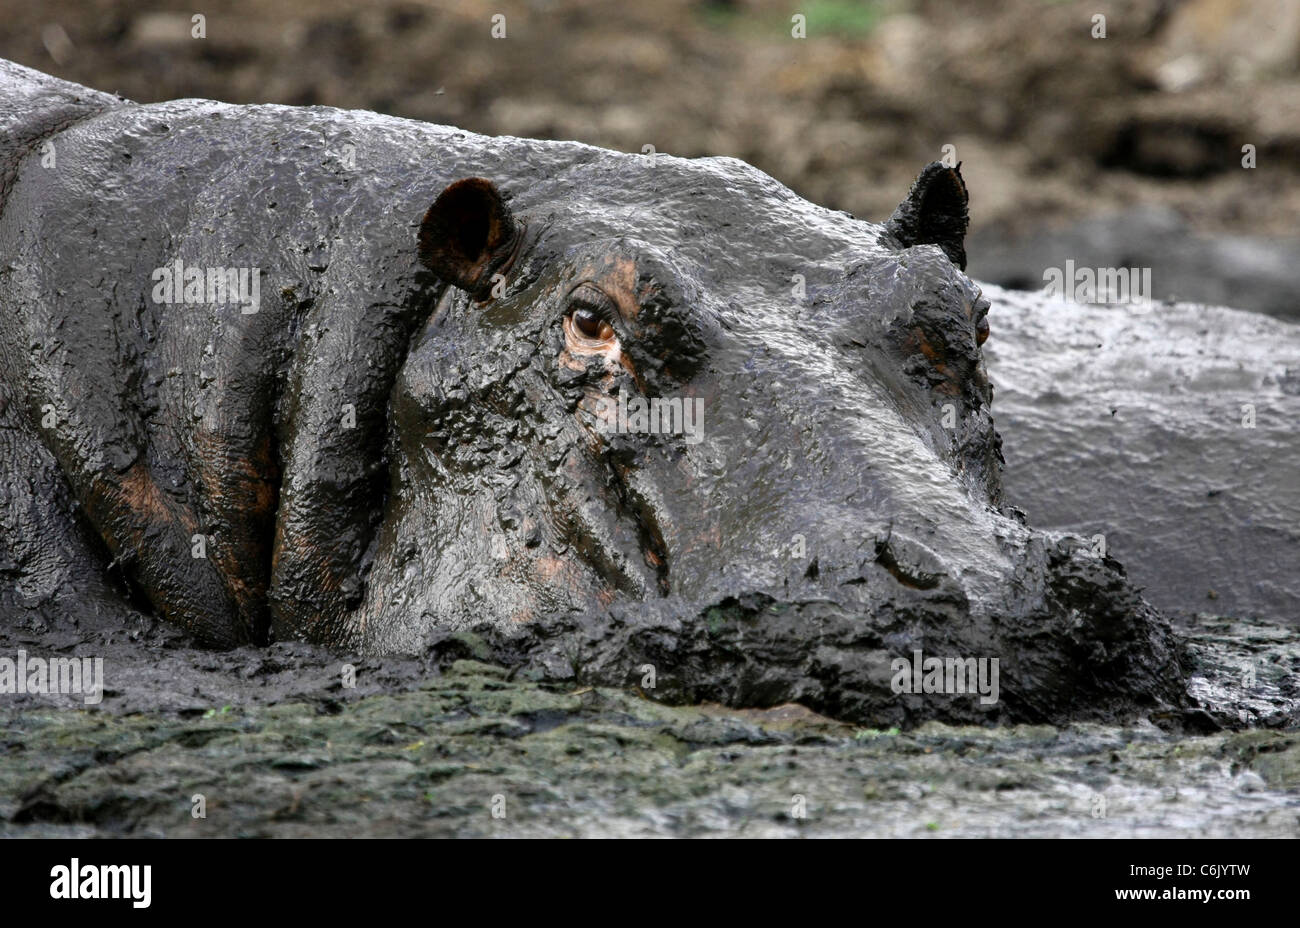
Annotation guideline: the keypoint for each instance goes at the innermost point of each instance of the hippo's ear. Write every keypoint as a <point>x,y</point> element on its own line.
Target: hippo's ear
<point>467,234</point>
<point>934,213</point>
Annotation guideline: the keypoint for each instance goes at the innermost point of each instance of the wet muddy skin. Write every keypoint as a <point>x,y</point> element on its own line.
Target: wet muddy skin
<point>403,443</point>
<point>410,460</point>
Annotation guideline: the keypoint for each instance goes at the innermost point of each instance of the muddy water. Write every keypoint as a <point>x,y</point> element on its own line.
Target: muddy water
<point>277,745</point>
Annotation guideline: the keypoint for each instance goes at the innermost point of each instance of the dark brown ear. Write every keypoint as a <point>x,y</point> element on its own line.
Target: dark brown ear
<point>467,234</point>
<point>934,213</point>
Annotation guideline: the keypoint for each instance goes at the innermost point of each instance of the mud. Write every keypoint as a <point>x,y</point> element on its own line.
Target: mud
<point>277,745</point>
<point>1168,429</point>
<point>1246,272</point>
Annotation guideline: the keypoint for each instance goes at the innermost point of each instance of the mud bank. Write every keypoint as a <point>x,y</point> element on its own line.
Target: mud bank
<point>1167,428</point>
<point>277,745</point>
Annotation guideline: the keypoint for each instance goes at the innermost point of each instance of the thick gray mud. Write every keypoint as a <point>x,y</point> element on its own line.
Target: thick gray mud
<point>276,744</point>
<point>1170,429</point>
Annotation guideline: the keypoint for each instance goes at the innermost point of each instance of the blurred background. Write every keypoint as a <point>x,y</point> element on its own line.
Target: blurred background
<point>1116,151</point>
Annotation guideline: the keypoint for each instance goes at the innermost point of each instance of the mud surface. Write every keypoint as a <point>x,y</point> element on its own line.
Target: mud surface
<point>1168,429</point>
<point>277,745</point>
<point>1246,272</point>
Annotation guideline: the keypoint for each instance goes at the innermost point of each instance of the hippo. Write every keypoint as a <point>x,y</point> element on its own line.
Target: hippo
<point>275,373</point>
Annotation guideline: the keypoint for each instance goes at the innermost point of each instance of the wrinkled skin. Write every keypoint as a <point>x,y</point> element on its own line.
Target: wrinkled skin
<point>406,444</point>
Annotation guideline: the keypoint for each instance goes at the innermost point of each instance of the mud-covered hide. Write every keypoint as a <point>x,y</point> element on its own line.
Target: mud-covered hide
<point>388,453</point>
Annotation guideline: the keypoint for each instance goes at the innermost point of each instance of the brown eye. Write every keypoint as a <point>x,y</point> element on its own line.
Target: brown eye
<point>589,324</point>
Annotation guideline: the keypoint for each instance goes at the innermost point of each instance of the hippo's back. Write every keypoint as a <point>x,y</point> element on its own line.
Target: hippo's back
<point>35,106</point>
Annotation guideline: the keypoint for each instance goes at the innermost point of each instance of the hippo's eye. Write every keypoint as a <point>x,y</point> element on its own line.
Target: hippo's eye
<point>592,326</point>
<point>590,321</point>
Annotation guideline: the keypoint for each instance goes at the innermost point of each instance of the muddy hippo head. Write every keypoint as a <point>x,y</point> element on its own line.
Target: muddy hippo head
<point>677,394</point>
